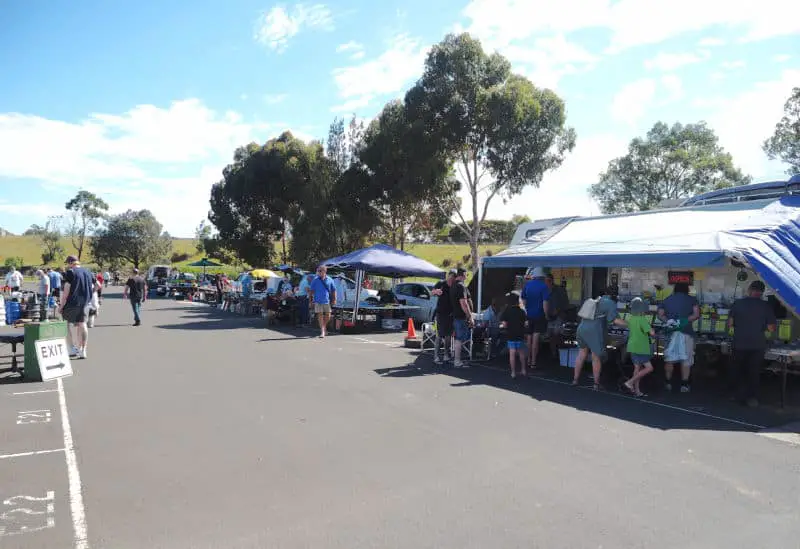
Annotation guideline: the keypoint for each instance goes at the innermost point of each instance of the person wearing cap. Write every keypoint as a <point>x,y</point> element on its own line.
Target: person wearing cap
<point>750,317</point>
<point>536,302</point>
<point>444,317</point>
<point>76,295</point>
<point>136,291</point>
<point>462,315</point>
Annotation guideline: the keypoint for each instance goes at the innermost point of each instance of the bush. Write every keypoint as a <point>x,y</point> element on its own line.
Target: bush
<point>15,262</point>
<point>466,259</point>
<point>488,253</point>
<point>178,257</point>
<point>446,262</point>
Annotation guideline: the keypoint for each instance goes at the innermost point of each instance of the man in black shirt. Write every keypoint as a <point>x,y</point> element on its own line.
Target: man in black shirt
<point>444,316</point>
<point>750,317</point>
<point>136,290</point>
<point>462,316</point>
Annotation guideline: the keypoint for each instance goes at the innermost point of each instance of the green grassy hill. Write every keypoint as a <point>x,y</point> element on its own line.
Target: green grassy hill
<point>29,249</point>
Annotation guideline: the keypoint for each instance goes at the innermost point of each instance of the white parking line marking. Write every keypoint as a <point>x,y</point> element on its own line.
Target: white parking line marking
<point>36,392</point>
<point>25,454</point>
<point>33,416</point>
<point>74,476</point>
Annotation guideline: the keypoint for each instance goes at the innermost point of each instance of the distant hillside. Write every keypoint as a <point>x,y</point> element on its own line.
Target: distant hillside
<point>29,248</point>
<point>4,232</point>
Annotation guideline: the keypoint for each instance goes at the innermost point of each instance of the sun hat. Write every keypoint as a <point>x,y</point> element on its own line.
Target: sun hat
<point>638,306</point>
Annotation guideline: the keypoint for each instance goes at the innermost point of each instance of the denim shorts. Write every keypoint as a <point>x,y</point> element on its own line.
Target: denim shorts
<point>514,345</point>
<point>461,329</point>
<point>640,360</point>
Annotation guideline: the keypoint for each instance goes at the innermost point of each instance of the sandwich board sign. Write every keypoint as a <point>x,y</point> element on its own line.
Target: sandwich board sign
<point>53,358</point>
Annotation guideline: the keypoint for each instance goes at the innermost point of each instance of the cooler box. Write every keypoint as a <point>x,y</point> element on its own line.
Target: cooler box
<point>567,356</point>
<point>34,332</point>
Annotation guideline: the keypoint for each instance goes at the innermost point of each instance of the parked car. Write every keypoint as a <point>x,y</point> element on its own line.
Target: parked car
<point>418,294</point>
<point>350,290</point>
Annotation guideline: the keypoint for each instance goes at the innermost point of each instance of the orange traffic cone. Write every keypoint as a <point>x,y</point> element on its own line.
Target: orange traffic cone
<point>412,333</point>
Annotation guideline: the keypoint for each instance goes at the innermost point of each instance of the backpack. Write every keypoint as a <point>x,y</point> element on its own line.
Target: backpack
<point>589,309</point>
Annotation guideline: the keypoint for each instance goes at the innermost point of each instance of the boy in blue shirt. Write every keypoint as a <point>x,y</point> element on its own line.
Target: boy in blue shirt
<point>323,295</point>
<point>536,300</point>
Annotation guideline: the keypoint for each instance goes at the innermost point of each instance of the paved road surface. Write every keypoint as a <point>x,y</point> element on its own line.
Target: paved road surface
<point>203,430</point>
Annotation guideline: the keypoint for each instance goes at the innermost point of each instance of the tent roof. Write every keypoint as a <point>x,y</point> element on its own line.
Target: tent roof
<point>384,260</point>
<point>764,234</point>
<point>682,237</point>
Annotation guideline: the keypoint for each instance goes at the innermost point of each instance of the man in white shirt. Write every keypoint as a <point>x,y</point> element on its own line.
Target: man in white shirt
<point>14,279</point>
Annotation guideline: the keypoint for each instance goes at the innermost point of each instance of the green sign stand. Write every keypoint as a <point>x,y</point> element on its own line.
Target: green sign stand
<point>34,332</point>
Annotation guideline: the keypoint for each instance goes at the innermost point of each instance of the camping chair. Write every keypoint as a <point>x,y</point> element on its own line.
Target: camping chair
<point>429,335</point>
<point>466,346</point>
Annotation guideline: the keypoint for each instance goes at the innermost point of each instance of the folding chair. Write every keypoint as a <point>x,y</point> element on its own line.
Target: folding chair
<point>429,335</point>
<point>466,346</point>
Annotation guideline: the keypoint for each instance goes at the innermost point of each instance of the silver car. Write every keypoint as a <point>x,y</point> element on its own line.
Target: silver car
<point>419,295</point>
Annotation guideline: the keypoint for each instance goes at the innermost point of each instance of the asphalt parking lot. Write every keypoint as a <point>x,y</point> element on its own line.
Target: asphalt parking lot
<point>201,429</point>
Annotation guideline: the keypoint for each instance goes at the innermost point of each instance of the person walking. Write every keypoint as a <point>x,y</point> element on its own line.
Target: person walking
<point>513,321</point>
<point>640,330</point>
<point>55,282</point>
<point>462,316</point>
<point>14,279</point>
<point>444,318</point>
<point>323,295</point>
<point>536,301</point>
<point>76,295</point>
<point>136,291</point>
<point>750,317</point>
<point>597,315</point>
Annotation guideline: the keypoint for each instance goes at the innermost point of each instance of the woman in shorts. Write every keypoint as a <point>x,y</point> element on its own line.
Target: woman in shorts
<point>513,321</point>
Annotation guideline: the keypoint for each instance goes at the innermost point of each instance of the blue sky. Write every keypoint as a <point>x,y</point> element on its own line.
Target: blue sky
<point>144,102</point>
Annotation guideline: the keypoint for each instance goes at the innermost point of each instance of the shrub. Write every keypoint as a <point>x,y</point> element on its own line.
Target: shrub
<point>178,257</point>
<point>467,258</point>
<point>446,262</point>
<point>15,262</point>
<point>488,253</point>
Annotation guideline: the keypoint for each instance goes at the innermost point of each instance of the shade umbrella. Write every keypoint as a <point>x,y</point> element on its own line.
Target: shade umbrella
<point>263,273</point>
<point>205,262</point>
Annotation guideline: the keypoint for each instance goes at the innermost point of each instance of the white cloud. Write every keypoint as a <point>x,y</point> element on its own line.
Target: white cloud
<point>711,42</point>
<point>782,58</point>
<point>548,59</point>
<point>673,61</point>
<point>276,27</point>
<point>733,65</point>
<point>674,86</point>
<point>275,98</point>
<point>744,121</point>
<point>564,191</point>
<point>148,157</point>
<point>389,73</point>
<point>631,22</point>
<point>355,50</point>
<point>632,102</point>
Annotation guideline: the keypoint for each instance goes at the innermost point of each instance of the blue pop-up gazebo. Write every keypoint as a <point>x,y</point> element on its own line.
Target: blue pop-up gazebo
<point>383,260</point>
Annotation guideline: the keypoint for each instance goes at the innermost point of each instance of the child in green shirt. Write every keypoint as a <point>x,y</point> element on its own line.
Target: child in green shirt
<point>639,333</point>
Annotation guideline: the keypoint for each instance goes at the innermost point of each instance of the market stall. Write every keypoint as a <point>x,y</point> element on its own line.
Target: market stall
<point>381,260</point>
<point>715,248</point>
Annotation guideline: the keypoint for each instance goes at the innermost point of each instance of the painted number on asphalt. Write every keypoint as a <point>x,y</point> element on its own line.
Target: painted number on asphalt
<point>33,416</point>
<point>26,514</point>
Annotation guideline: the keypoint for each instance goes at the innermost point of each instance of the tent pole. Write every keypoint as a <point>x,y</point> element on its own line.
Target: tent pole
<point>359,282</point>
<point>480,285</point>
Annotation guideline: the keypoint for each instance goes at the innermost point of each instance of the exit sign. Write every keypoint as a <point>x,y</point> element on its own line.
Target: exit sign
<point>674,277</point>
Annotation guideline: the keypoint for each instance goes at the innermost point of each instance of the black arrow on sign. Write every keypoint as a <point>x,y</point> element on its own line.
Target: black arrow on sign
<point>57,366</point>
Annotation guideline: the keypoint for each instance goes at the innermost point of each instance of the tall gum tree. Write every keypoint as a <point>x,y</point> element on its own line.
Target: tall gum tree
<point>501,132</point>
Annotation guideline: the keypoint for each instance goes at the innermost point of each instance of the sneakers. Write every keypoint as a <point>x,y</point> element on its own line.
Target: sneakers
<point>73,353</point>
<point>81,353</point>
<point>668,387</point>
<point>460,364</point>
<point>685,389</point>
<point>438,360</point>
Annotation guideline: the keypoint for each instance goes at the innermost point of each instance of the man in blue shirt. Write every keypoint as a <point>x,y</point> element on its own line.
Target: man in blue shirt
<point>323,295</point>
<point>535,299</point>
<point>78,289</point>
<point>55,282</point>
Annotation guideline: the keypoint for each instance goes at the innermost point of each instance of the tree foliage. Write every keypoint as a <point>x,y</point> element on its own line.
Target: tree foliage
<point>201,234</point>
<point>409,175</point>
<point>670,162</point>
<point>785,141</point>
<point>50,237</point>
<point>503,132</point>
<point>87,210</point>
<point>134,237</point>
